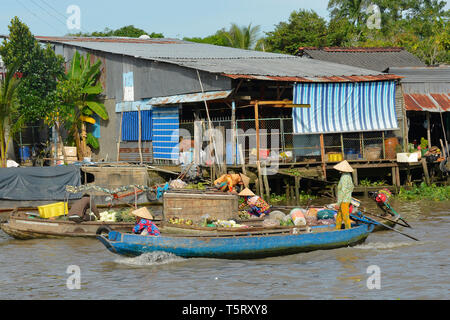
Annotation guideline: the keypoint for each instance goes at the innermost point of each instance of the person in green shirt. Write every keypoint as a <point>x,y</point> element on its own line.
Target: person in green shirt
<point>344,194</point>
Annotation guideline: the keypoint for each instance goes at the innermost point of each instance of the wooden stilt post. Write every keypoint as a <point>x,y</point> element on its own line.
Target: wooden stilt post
<point>355,176</point>
<point>297,190</point>
<point>428,130</point>
<point>322,152</point>
<point>258,164</point>
<point>425,171</point>
<point>394,180</point>
<point>266,183</point>
<point>288,189</point>
<point>242,159</point>
<point>120,137</point>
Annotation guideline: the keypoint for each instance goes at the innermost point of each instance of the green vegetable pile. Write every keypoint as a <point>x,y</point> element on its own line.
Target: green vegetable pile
<point>125,215</point>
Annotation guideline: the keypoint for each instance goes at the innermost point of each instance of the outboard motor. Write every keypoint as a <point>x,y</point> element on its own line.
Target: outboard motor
<point>382,198</point>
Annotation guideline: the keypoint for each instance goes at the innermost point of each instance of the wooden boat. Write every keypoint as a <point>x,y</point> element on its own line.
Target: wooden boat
<point>237,245</point>
<point>23,225</point>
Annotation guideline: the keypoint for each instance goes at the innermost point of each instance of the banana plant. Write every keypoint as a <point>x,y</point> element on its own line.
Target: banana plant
<point>80,93</point>
<point>10,120</point>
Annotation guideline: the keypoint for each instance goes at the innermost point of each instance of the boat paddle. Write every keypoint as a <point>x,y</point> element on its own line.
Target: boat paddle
<point>371,221</point>
<point>363,210</point>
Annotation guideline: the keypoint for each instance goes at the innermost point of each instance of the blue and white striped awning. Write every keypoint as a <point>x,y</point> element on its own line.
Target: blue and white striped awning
<point>344,107</point>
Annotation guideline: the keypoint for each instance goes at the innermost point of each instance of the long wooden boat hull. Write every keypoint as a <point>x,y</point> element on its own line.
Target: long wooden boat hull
<point>237,246</point>
<point>22,227</point>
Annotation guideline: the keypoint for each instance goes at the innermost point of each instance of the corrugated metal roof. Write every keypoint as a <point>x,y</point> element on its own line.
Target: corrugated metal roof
<point>379,59</point>
<point>432,102</point>
<point>423,74</point>
<point>217,59</point>
<point>190,97</point>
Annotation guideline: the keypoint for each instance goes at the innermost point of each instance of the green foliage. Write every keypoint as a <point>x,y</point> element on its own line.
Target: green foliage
<point>245,37</point>
<point>242,37</point>
<point>196,186</point>
<point>424,192</point>
<point>40,67</point>
<point>304,197</point>
<point>420,26</point>
<point>92,141</point>
<point>127,31</point>
<point>217,39</point>
<point>275,198</point>
<point>124,215</point>
<point>304,29</point>
<point>79,96</point>
<point>368,183</point>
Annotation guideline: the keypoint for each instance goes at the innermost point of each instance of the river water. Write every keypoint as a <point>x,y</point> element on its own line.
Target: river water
<point>37,269</point>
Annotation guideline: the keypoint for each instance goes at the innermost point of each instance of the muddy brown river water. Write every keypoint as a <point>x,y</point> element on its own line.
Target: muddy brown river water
<point>37,269</point>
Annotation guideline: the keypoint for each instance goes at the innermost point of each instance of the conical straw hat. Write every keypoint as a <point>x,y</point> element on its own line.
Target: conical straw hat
<point>246,193</point>
<point>343,166</point>
<point>143,213</point>
<point>245,179</point>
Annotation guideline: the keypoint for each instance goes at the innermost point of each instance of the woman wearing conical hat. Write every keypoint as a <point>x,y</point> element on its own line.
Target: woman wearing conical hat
<point>258,207</point>
<point>144,224</point>
<point>344,194</point>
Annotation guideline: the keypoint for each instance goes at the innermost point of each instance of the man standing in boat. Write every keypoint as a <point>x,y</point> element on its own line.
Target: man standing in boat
<point>344,194</point>
<point>79,210</point>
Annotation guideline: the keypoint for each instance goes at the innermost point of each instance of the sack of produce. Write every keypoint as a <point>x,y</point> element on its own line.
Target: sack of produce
<point>299,218</point>
<point>303,211</point>
<point>267,223</point>
<point>326,214</point>
<point>277,215</point>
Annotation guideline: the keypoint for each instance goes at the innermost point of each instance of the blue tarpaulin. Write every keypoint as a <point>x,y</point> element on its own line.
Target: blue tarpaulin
<point>344,107</point>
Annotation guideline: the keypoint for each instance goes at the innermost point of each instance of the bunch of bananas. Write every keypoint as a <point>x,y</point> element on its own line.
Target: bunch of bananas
<point>176,220</point>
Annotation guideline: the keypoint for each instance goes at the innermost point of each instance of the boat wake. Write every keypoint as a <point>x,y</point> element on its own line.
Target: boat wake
<point>383,245</point>
<point>150,259</point>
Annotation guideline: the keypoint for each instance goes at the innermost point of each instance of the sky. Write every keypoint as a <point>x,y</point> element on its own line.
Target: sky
<point>173,18</point>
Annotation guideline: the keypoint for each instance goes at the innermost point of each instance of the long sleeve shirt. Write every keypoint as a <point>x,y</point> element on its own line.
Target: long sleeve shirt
<point>345,189</point>
<point>148,225</point>
<point>256,203</point>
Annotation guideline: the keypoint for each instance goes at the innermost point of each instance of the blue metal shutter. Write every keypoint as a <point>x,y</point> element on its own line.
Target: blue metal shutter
<point>165,129</point>
<point>130,126</point>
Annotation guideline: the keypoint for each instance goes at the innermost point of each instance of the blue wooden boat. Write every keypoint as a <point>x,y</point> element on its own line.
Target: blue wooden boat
<point>238,245</point>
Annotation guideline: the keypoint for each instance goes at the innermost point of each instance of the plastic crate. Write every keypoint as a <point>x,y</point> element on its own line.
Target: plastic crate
<point>53,210</point>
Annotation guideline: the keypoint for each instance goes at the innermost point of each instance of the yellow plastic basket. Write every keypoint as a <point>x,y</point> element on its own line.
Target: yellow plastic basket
<point>53,210</point>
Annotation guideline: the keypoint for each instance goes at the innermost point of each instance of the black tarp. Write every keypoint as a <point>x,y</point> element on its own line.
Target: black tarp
<point>39,183</point>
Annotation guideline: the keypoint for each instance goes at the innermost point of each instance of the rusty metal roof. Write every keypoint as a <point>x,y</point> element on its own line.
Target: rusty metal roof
<point>379,77</point>
<point>432,102</point>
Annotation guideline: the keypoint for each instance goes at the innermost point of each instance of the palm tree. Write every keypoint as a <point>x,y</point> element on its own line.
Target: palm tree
<point>353,10</point>
<point>83,101</point>
<point>10,121</point>
<point>244,37</point>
